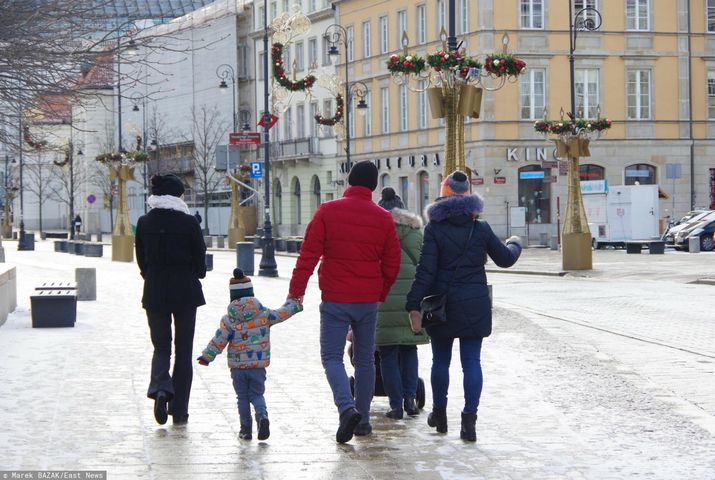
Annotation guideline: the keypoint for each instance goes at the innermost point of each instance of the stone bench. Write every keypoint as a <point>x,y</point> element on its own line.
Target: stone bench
<point>53,308</point>
<point>655,247</point>
<point>93,249</point>
<point>57,285</point>
<point>61,246</point>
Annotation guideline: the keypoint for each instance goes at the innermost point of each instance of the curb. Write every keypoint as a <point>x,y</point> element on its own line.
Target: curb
<point>531,272</point>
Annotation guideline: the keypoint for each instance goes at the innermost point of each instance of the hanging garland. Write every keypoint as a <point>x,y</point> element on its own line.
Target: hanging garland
<point>280,75</point>
<point>339,108</point>
<point>28,139</point>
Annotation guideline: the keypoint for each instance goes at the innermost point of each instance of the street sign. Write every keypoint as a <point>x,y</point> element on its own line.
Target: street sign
<point>91,198</point>
<point>476,181</point>
<point>500,180</point>
<point>256,170</point>
<point>549,164</point>
<point>563,168</point>
<point>550,179</point>
<point>531,175</point>
<point>274,119</point>
<point>228,157</point>
<point>244,138</point>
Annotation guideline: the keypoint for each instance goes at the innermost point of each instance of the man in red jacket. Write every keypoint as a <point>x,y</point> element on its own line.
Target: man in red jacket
<point>357,244</point>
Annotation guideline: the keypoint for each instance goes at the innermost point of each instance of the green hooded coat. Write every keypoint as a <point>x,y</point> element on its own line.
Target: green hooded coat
<point>393,324</point>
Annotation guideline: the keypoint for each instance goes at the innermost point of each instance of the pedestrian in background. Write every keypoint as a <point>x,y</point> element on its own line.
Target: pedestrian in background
<point>77,223</point>
<point>454,251</point>
<point>359,253</point>
<point>171,255</point>
<point>395,341</point>
<point>198,217</point>
<point>245,329</point>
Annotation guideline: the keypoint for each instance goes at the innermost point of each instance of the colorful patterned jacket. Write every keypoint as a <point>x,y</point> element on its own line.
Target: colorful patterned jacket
<point>246,331</point>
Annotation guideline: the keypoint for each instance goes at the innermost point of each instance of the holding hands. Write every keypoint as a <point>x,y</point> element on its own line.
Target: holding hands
<point>298,300</point>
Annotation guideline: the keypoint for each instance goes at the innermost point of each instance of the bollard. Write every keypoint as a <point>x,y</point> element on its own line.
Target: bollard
<point>694,244</point>
<point>99,237</point>
<point>280,245</point>
<point>554,242</point>
<point>86,279</point>
<point>292,245</point>
<point>543,239</point>
<point>220,242</point>
<point>209,262</point>
<point>208,240</point>
<point>244,257</point>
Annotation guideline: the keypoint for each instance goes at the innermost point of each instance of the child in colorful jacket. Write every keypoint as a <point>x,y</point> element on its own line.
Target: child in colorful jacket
<point>246,332</point>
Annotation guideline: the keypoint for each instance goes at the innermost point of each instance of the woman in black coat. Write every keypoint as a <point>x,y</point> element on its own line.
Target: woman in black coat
<point>171,254</point>
<point>455,241</point>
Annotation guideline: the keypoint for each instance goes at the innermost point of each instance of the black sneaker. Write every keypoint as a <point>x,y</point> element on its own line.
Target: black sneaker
<point>245,435</point>
<point>395,414</point>
<point>160,414</point>
<point>263,427</point>
<point>348,421</point>
<point>363,429</point>
<point>180,419</point>
<point>411,407</point>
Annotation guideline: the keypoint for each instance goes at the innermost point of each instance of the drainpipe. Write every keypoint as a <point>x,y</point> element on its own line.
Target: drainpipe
<point>690,113</point>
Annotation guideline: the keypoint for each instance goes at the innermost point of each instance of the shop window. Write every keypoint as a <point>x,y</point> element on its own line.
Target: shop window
<point>296,202</point>
<point>277,202</point>
<point>315,200</point>
<point>424,190</point>
<point>404,189</point>
<point>589,171</point>
<point>535,194</point>
<point>385,180</point>
<point>640,174</point>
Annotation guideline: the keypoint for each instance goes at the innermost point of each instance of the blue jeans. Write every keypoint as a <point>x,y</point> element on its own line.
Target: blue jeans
<point>469,352</point>
<point>398,366</point>
<point>335,318</point>
<point>250,385</point>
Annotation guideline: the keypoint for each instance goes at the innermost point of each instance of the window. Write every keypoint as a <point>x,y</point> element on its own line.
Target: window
<point>637,15</point>
<point>312,52</point>
<point>296,201</point>
<point>424,190</point>
<point>533,93</point>
<point>711,94</point>
<point>367,117</point>
<point>401,26</point>
<point>315,201</point>
<point>311,5</point>
<point>326,51</point>
<point>260,21</point>
<point>243,61</point>
<point>711,16</point>
<point>366,39</point>
<point>277,202</point>
<point>404,189</point>
<point>535,195</point>
<point>403,108</point>
<point>350,36</point>
<point>382,26</point>
<point>300,121</point>
<point>385,180</point>
<point>274,10</point>
<point>588,14</point>
<point>638,94</point>
<point>463,14</point>
<point>299,57</point>
<point>587,100</point>
<point>640,174</point>
<point>532,14</point>
<point>421,24</point>
<point>327,111</point>
<point>441,23</point>
<point>261,62</point>
<point>288,124</point>
<point>287,63</point>
<point>313,123</point>
<point>244,117</point>
<point>285,5</point>
<point>421,104</point>
<point>589,171</point>
<point>384,110</point>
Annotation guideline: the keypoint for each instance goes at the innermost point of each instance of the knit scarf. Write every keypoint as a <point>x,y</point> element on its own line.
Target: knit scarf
<point>168,202</point>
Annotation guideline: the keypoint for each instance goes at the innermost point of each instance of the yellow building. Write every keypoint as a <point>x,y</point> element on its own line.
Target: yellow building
<point>650,67</point>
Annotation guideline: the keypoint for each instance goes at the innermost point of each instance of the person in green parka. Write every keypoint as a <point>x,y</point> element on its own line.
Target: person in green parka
<point>395,341</point>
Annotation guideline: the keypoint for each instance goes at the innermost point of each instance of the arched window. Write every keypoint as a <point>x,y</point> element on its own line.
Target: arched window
<point>641,173</point>
<point>423,181</point>
<point>589,171</point>
<point>315,198</point>
<point>440,178</point>
<point>535,194</point>
<point>385,180</point>
<point>277,202</point>
<point>295,210</point>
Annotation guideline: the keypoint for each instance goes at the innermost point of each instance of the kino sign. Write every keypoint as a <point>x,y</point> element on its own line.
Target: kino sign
<point>538,154</point>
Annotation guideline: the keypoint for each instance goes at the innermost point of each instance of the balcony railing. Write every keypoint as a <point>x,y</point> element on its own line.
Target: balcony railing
<point>301,147</point>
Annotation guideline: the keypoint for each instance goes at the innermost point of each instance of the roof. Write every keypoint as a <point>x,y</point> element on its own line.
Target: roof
<point>148,9</point>
<point>52,109</point>
<point>100,75</point>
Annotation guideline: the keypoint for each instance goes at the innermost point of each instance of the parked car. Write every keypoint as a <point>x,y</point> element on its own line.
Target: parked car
<point>703,230</point>
<point>688,220</point>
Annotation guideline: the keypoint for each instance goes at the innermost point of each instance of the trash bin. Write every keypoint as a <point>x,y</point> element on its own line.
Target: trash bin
<point>554,242</point>
<point>281,245</point>
<point>209,262</point>
<point>543,239</point>
<point>694,244</point>
<point>26,242</point>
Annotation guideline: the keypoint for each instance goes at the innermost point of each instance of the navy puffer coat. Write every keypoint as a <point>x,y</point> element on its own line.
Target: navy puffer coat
<point>469,311</point>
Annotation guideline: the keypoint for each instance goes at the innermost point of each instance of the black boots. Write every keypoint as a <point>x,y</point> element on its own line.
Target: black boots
<point>160,413</point>
<point>411,408</point>
<point>348,421</point>
<point>468,431</point>
<point>438,419</point>
<point>264,430</point>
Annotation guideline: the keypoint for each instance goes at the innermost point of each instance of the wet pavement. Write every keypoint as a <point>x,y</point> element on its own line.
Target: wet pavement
<point>582,381</point>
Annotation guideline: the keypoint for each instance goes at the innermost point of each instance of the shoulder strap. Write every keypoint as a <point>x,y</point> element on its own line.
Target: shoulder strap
<point>461,258</point>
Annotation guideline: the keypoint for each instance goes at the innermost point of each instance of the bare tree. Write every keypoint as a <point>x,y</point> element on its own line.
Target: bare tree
<point>39,178</point>
<point>208,129</point>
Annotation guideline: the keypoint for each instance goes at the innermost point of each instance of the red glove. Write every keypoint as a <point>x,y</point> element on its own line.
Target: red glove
<point>203,361</point>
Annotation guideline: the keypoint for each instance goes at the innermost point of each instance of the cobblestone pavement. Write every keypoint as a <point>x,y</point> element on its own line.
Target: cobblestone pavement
<point>561,399</point>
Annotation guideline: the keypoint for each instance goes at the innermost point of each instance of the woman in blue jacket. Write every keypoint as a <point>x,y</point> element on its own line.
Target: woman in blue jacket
<point>456,241</point>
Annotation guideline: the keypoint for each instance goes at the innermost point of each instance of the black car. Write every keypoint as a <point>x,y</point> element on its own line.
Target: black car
<point>703,230</point>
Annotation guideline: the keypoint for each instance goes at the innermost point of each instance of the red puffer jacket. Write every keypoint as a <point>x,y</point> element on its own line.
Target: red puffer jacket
<point>359,248</point>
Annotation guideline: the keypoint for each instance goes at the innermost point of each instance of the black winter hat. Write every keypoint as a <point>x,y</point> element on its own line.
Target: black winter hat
<point>390,199</point>
<point>363,174</point>
<point>167,185</point>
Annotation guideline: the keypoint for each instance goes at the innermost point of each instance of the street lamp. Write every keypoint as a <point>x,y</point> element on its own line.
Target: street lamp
<point>335,34</point>
<point>224,72</point>
<point>137,99</point>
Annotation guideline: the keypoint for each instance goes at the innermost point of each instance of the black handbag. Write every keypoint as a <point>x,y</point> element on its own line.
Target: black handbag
<point>434,307</point>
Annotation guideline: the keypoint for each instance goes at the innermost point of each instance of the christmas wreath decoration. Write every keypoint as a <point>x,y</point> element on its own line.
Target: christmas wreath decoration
<point>498,65</point>
<point>28,139</point>
<point>562,127</point>
<point>137,156</point>
<point>109,157</point>
<point>339,110</point>
<point>453,60</point>
<point>280,75</point>
<point>405,64</point>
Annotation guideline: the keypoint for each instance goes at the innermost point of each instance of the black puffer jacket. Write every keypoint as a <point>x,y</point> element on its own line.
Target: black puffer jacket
<point>469,312</point>
<point>171,254</point>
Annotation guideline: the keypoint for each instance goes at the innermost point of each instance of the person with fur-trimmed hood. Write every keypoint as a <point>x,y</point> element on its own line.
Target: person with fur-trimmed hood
<point>395,341</point>
<point>452,223</point>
